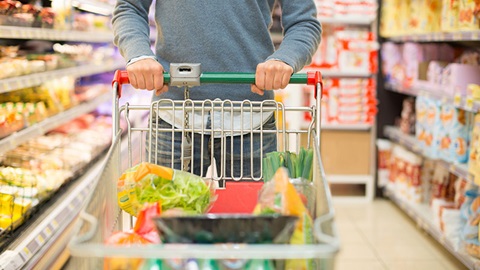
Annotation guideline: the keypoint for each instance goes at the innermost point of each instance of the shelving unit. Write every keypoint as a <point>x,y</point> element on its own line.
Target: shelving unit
<point>464,103</point>
<point>439,37</point>
<point>10,84</point>
<point>412,144</point>
<point>44,237</point>
<point>423,216</point>
<point>15,32</point>
<point>43,127</point>
<point>46,230</point>
<point>350,20</point>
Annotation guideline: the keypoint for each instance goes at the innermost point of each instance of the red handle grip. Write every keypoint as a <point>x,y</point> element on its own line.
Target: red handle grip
<point>315,78</point>
<point>120,77</point>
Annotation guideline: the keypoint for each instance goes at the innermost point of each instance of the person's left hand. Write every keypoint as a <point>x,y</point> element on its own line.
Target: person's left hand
<point>271,75</point>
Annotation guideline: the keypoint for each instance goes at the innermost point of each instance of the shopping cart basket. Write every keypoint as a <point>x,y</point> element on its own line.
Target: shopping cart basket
<point>237,192</point>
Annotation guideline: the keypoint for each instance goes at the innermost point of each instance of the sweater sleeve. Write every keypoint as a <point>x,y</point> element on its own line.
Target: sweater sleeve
<point>302,33</point>
<point>130,28</point>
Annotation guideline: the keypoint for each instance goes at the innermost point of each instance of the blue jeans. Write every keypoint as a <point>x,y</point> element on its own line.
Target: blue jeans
<point>162,151</point>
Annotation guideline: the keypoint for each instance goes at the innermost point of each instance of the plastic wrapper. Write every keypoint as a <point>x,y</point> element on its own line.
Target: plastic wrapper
<point>280,196</point>
<point>147,182</point>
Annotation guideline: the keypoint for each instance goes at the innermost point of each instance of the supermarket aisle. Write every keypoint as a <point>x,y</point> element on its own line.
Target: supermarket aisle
<point>379,235</point>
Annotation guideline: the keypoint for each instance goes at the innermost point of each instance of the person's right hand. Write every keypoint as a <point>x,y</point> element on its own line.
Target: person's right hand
<point>147,74</point>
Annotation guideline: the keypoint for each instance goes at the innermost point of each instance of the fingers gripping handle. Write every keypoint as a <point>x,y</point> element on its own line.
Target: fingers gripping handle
<point>310,78</point>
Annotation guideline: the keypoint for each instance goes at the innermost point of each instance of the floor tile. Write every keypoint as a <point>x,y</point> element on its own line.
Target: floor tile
<point>356,252</point>
<point>359,265</point>
<point>414,265</point>
<point>403,252</point>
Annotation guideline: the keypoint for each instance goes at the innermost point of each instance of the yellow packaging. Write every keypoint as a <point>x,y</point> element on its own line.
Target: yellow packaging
<point>466,15</point>
<point>11,206</point>
<point>415,14</point>
<point>430,16</point>
<point>390,19</point>
<point>474,156</point>
<point>403,10</point>
<point>7,221</point>
<point>450,15</point>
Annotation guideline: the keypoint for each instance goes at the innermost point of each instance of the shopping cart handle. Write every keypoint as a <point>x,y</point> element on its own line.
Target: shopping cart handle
<point>309,78</point>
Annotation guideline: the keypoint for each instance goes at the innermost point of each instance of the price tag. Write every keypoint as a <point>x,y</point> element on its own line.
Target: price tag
<point>48,232</point>
<point>54,224</point>
<point>40,239</point>
<point>71,207</point>
<point>457,36</point>
<point>26,252</point>
<point>457,100</point>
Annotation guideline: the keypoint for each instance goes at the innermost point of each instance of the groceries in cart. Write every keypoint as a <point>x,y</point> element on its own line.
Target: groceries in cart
<point>147,182</point>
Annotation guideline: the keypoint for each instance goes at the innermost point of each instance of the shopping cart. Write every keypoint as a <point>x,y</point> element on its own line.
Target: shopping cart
<point>237,192</point>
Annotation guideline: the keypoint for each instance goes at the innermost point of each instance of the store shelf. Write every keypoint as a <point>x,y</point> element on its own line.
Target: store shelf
<point>46,125</point>
<point>350,20</point>
<point>50,225</point>
<point>51,231</point>
<point>15,32</point>
<point>423,216</point>
<point>411,143</point>
<point>14,83</point>
<point>439,37</point>
<point>352,127</point>
<point>420,89</point>
<point>94,6</point>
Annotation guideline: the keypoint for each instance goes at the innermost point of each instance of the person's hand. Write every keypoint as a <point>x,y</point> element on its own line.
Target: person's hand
<point>271,75</point>
<point>147,74</point>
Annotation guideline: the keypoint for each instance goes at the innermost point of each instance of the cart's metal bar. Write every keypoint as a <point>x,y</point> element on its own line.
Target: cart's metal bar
<point>236,78</point>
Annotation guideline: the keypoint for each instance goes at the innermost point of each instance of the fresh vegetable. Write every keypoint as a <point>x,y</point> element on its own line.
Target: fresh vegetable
<point>148,182</point>
<point>298,166</point>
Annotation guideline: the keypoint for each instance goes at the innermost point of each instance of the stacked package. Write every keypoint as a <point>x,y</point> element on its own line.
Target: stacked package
<point>346,8</point>
<point>440,68</point>
<point>347,50</point>
<point>406,17</point>
<point>349,101</point>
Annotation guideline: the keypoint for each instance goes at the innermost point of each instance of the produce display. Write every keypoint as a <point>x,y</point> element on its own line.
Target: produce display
<point>32,172</point>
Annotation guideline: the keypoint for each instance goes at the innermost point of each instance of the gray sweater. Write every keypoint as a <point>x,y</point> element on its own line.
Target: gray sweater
<point>222,35</point>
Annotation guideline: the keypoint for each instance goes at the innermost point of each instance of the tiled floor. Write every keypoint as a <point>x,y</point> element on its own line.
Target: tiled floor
<point>379,235</point>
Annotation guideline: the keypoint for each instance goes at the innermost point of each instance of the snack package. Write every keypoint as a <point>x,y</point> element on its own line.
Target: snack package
<point>280,196</point>
<point>148,182</point>
<point>470,213</point>
<point>474,155</point>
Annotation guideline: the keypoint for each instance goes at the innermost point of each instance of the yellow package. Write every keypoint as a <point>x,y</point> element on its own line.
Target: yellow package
<point>466,15</point>
<point>431,16</point>
<point>450,15</point>
<point>390,19</point>
<point>474,156</point>
<point>404,17</point>
<point>280,196</point>
<point>415,14</point>
<point>7,221</point>
<point>10,206</point>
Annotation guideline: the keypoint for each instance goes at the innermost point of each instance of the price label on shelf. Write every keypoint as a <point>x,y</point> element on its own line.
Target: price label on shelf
<point>457,36</point>
<point>48,231</point>
<point>40,239</point>
<point>26,252</point>
<point>54,224</point>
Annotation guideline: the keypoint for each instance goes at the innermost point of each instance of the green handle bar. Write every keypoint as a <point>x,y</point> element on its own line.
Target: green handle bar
<point>310,78</point>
